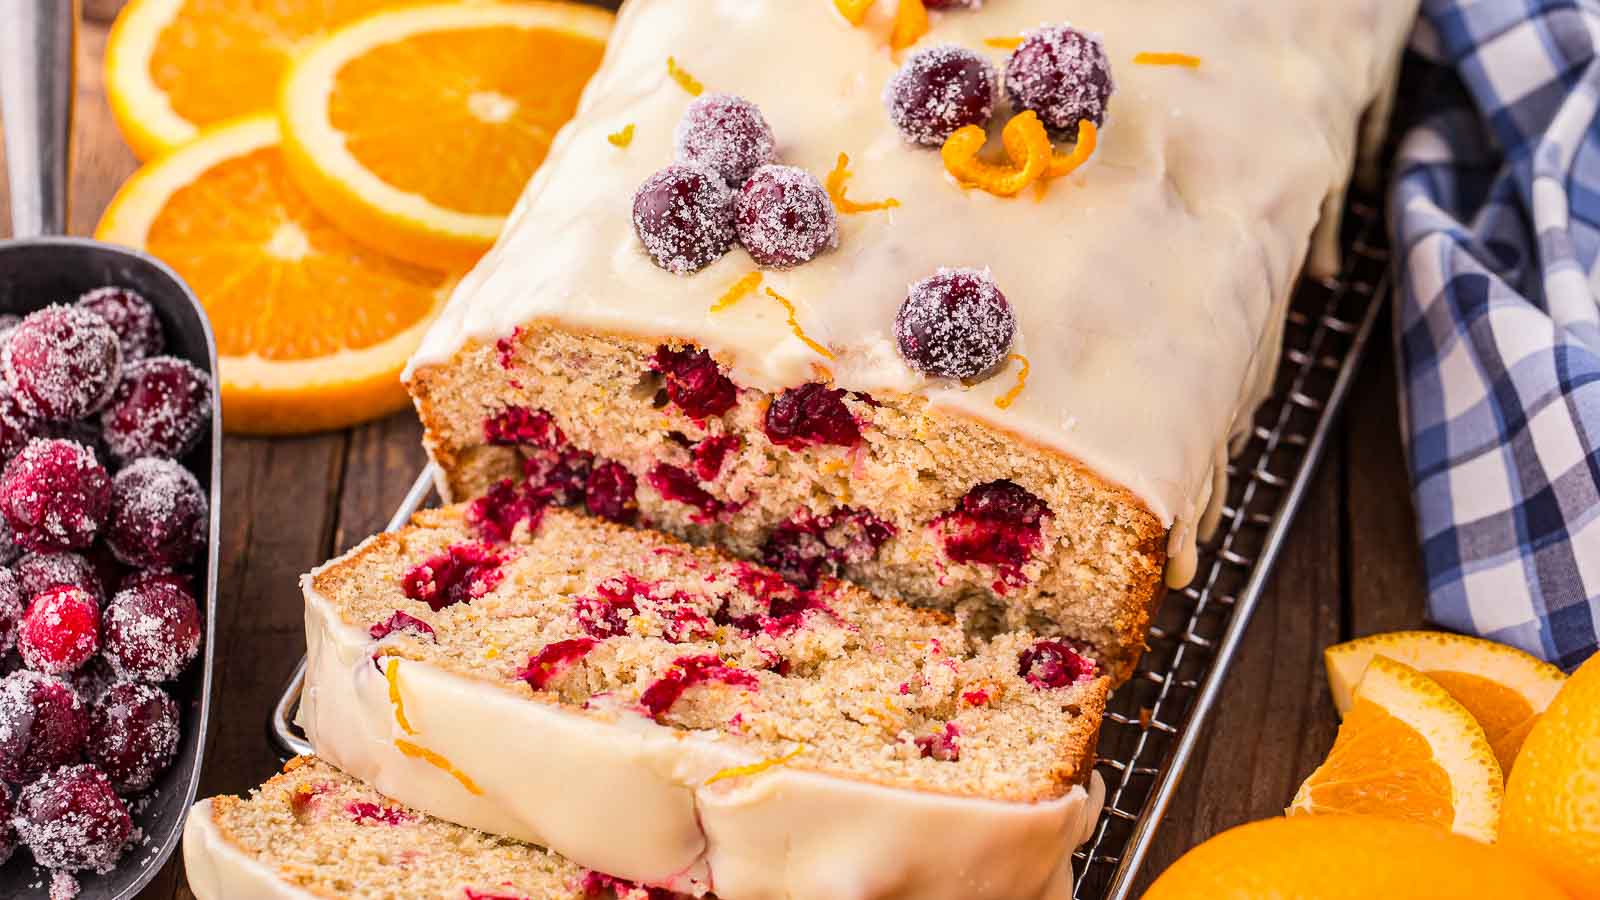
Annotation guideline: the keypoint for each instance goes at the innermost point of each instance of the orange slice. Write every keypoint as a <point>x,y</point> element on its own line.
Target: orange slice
<point>175,66</point>
<point>417,129</point>
<point>312,329</point>
<point>1407,750</point>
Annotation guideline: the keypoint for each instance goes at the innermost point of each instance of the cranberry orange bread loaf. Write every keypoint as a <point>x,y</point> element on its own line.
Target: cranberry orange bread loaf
<point>681,719</point>
<point>1000,388</point>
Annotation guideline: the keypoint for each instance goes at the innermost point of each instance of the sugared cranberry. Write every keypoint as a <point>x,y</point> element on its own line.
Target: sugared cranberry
<point>686,672</point>
<point>17,426</point>
<point>519,425</point>
<point>400,621</point>
<point>611,493</point>
<point>131,316</point>
<point>39,572</point>
<point>73,820</point>
<point>785,217</point>
<point>158,515</point>
<point>461,574</point>
<point>694,382</point>
<point>680,486</point>
<point>12,604</point>
<point>43,724</point>
<point>683,215</point>
<point>939,90</point>
<point>1062,74</point>
<point>1052,664</point>
<point>999,524</point>
<point>55,495</point>
<point>709,454</point>
<point>367,813</point>
<point>555,658</point>
<point>179,580</point>
<point>726,133</point>
<point>60,631</point>
<point>133,735</point>
<point>806,546</point>
<point>811,414</point>
<point>62,362</point>
<point>955,324</point>
<point>152,631</point>
<point>160,409</point>
<point>941,745</point>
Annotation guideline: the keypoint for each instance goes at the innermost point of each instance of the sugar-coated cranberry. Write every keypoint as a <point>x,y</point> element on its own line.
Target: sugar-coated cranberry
<point>807,546</point>
<point>17,425</point>
<point>785,217</point>
<point>158,515</point>
<point>461,574</point>
<point>554,659</point>
<point>152,631</point>
<point>72,820</point>
<point>132,317</point>
<point>726,133</point>
<point>998,523</point>
<point>43,724</point>
<point>939,90</point>
<point>400,621</point>
<point>62,362</point>
<point>680,485</point>
<point>710,453</point>
<point>55,495</point>
<point>1062,74</point>
<point>133,735</point>
<point>686,672</point>
<point>160,409</point>
<point>12,604</point>
<point>694,382</point>
<point>519,425</point>
<point>8,834</point>
<point>1052,664</point>
<point>942,745</point>
<point>811,414</point>
<point>60,631</point>
<point>955,324</point>
<point>683,215</point>
<point>611,493</point>
<point>38,572</point>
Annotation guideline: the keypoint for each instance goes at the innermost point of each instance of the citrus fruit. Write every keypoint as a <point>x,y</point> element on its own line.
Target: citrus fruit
<point>1552,809</point>
<point>1347,858</point>
<point>1407,750</point>
<point>176,66</point>
<point>312,329</point>
<point>417,129</point>
<point>1504,688</point>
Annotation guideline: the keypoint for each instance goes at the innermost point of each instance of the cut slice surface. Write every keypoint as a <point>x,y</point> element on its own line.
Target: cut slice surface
<point>312,329</point>
<point>1504,688</point>
<point>1408,750</point>
<point>418,128</point>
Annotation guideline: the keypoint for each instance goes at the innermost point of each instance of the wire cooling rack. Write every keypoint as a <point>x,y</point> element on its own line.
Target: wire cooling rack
<point>1156,719</point>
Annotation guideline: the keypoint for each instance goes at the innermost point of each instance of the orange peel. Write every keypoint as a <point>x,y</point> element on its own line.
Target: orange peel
<point>1004,43</point>
<point>836,189</point>
<point>794,325</point>
<point>1005,400</point>
<point>621,138</point>
<point>910,24</point>
<point>1066,163</point>
<point>854,11</point>
<point>683,78</point>
<point>439,762</point>
<point>737,291</point>
<point>757,767</point>
<point>1026,143</point>
<point>1167,59</point>
<point>391,673</point>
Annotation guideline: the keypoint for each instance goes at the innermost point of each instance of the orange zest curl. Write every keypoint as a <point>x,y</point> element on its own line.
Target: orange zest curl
<point>835,183</point>
<point>1005,400</point>
<point>756,768</point>
<point>1026,143</point>
<point>1167,59</point>
<point>1067,163</point>
<point>737,291</point>
<point>794,325</point>
<point>438,762</point>
<point>684,79</point>
<point>391,673</point>
<point>1004,43</point>
<point>622,138</point>
<point>910,24</point>
<point>854,11</point>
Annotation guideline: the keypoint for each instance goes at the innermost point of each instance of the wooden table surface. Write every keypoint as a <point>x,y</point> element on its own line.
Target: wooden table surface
<point>1350,566</point>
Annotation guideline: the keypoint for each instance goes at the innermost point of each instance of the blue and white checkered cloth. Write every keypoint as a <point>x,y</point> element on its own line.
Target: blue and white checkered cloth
<point>1496,217</point>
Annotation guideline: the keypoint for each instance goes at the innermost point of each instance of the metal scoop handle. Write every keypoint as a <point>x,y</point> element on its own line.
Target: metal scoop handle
<point>37,46</point>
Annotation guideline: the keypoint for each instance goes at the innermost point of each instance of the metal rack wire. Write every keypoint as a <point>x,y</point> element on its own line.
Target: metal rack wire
<point>1155,721</point>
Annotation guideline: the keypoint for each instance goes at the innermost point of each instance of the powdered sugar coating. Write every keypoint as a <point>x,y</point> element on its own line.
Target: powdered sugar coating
<point>133,735</point>
<point>160,409</point>
<point>55,495</point>
<point>683,216</point>
<point>38,572</point>
<point>727,133</point>
<point>73,820</point>
<point>60,631</point>
<point>939,90</point>
<point>152,631</point>
<point>158,515</point>
<point>43,724</point>
<point>62,362</point>
<point>955,324</point>
<point>131,316</point>
<point>785,217</point>
<point>1062,74</point>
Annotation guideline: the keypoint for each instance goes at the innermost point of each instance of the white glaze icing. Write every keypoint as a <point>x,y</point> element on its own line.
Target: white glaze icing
<point>627,796</point>
<point>216,869</point>
<point>1149,286</point>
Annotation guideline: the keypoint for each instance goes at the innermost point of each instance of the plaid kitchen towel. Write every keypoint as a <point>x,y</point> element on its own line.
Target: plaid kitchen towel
<point>1496,217</point>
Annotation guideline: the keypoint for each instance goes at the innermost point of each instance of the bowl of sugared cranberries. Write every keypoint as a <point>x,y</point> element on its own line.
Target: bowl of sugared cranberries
<point>109,434</point>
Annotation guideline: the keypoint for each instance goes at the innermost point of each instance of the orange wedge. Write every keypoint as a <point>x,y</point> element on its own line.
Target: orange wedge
<point>175,66</point>
<point>417,129</point>
<point>1407,750</point>
<point>312,329</point>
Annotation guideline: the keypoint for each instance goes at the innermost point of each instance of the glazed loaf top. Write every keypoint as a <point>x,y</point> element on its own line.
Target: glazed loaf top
<point>1149,286</point>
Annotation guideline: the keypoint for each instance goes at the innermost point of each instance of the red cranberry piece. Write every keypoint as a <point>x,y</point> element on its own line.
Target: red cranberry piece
<point>11,608</point>
<point>73,820</point>
<point>555,658</point>
<point>686,672</point>
<point>694,382</point>
<point>710,453</point>
<point>400,621</point>
<point>939,90</point>
<point>60,631</point>
<point>366,813</point>
<point>55,495</point>
<point>1062,74</point>
<point>62,362</point>
<point>683,215</point>
<point>610,493</point>
<point>131,316</point>
<point>17,425</point>
<point>941,745</point>
<point>998,524</point>
<point>678,485</point>
<point>557,479</point>
<point>158,515</point>
<point>785,217</point>
<point>726,133</point>
<point>616,601</point>
<point>133,735</point>
<point>43,724</point>
<point>955,324</point>
<point>461,574</point>
<point>39,572</point>
<point>160,409</point>
<point>519,425</point>
<point>498,512</point>
<point>1052,664</point>
<point>806,547</point>
<point>811,414</point>
<point>152,631</point>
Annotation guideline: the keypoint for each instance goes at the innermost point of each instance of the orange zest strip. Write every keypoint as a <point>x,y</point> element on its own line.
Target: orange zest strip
<point>756,768</point>
<point>1004,43</point>
<point>684,79</point>
<point>1005,401</point>
<point>854,11</point>
<point>737,291</point>
<point>910,24</point>
<point>836,180</point>
<point>1026,143</point>
<point>391,672</point>
<point>1066,163</point>
<point>438,762</point>
<point>794,325</point>
<point>1167,59</point>
<point>622,138</point>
